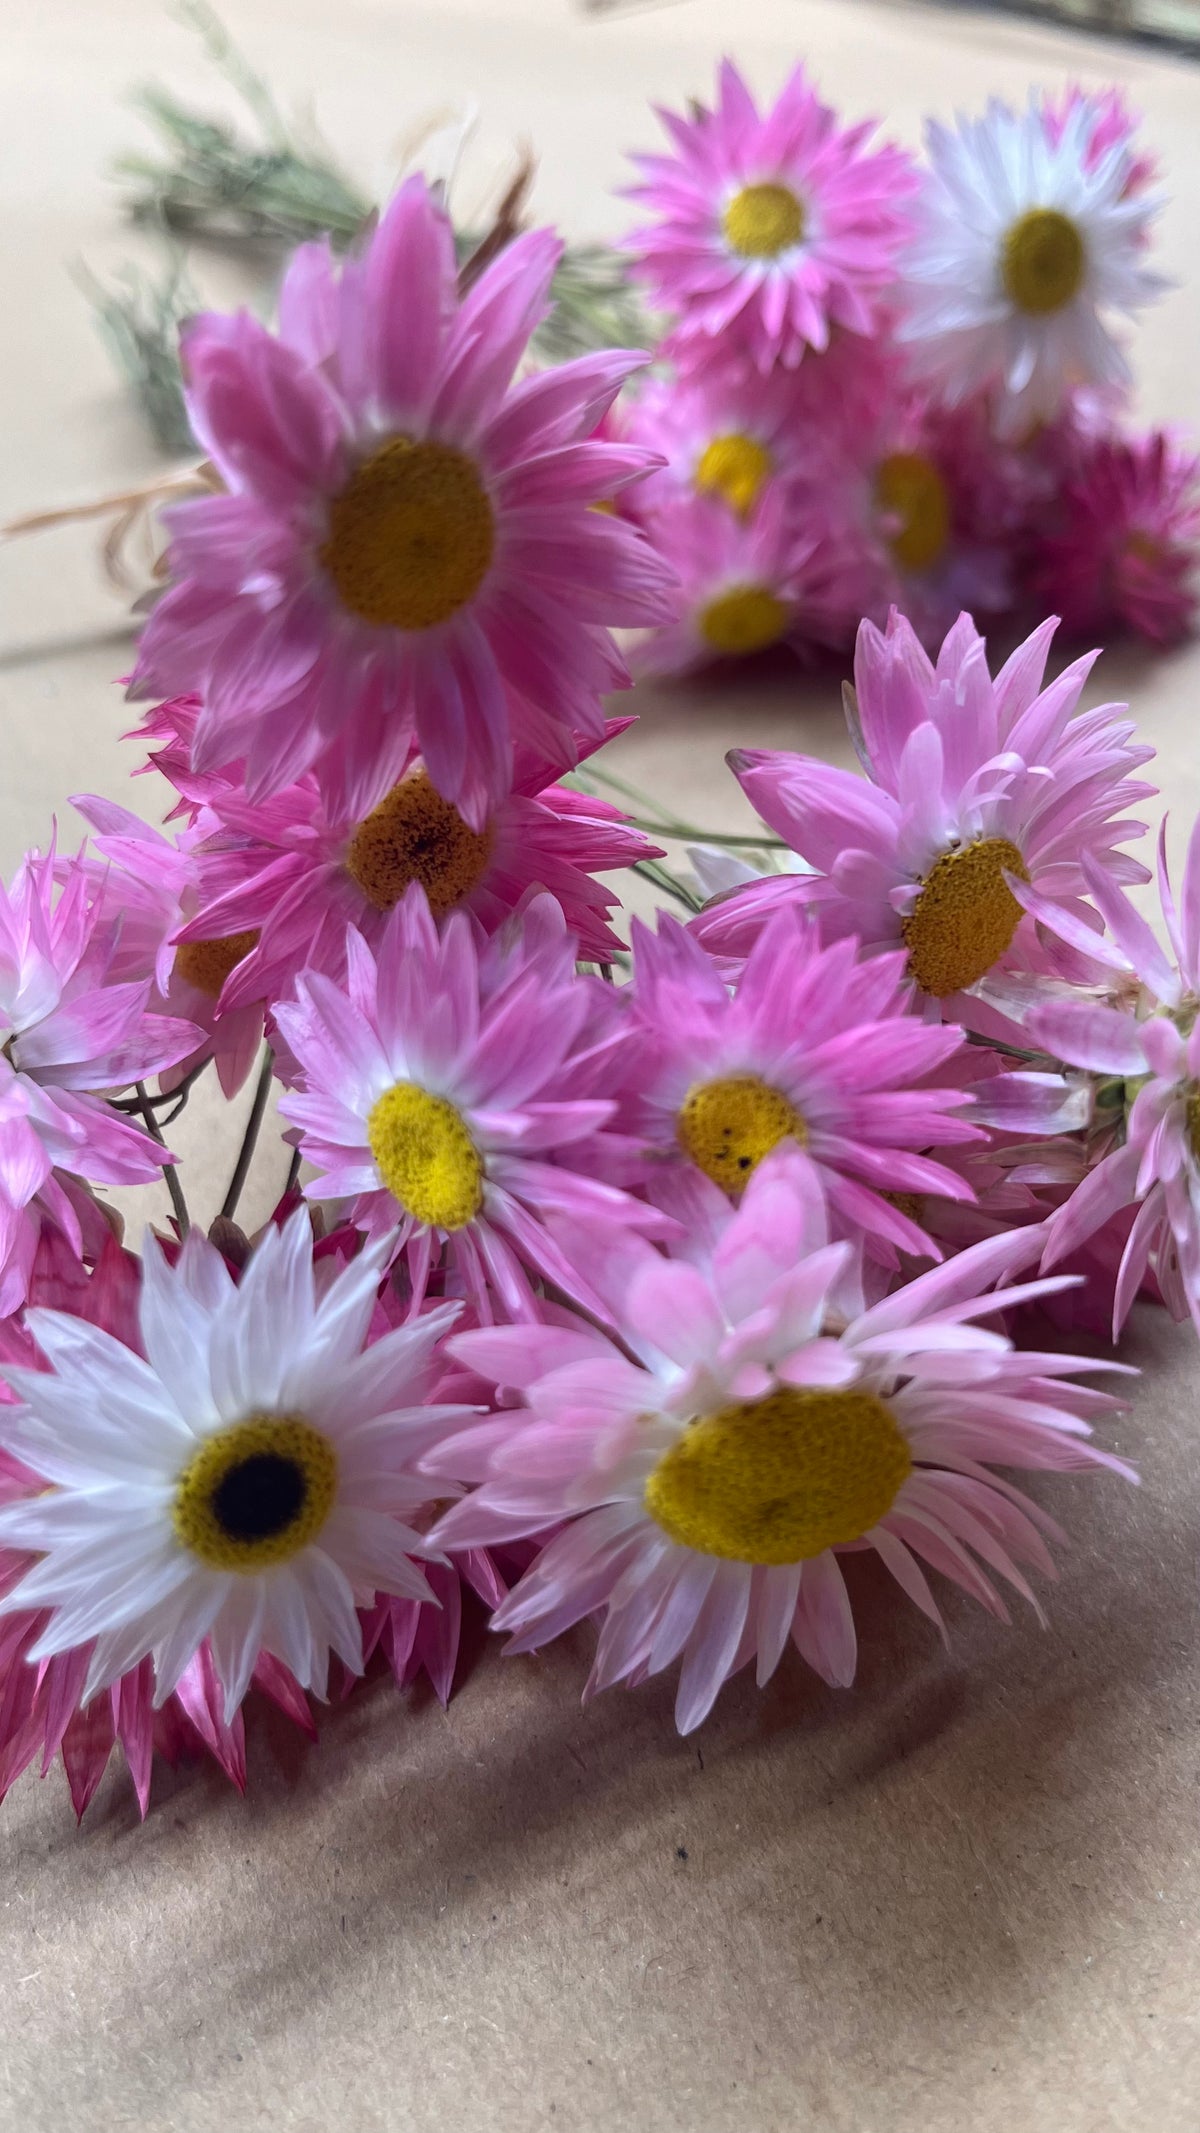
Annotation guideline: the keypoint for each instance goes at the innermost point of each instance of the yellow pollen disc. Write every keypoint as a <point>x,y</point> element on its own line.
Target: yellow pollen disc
<point>746,619</point>
<point>207,964</point>
<point>762,221</point>
<point>1146,549</point>
<point>1043,261</point>
<point>782,1479</point>
<point>411,535</point>
<point>906,1203</point>
<point>964,917</point>
<point>910,489</point>
<point>415,835</point>
<point>426,1157</point>
<point>1192,1115</point>
<point>735,467</point>
<point>727,1127</point>
<point>255,1494</point>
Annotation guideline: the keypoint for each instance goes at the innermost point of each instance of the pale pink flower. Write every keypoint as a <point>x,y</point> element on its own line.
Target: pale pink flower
<point>812,1045</point>
<point>711,1473</point>
<point>940,505</point>
<point>972,785</point>
<point>69,1036</point>
<point>723,435</point>
<point>406,552</point>
<point>1141,1034</point>
<point>778,575</point>
<point>146,886</point>
<point>449,1093</point>
<point>1122,542</point>
<point>766,231</point>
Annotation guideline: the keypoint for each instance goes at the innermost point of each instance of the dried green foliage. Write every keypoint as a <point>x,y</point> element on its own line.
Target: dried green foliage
<point>268,189</point>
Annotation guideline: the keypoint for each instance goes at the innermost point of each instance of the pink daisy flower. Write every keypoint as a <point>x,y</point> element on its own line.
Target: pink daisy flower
<point>769,230</point>
<point>406,548</point>
<point>242,1477</point>
<point>291,874</point>
<point>813,1046</point>
<point>1124,539</point>
<point>710,1474</point>
<point>1142,1037</point>
<point>447,1092</point>
<point>778,575</point>
<point>940,506</point>
<point>70,1036</point>
<point>724,435</point>
<point>146,886</point>
<point>972,786</point>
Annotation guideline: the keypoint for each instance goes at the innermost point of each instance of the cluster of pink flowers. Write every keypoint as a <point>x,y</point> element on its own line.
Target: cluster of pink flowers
<point>887,381</point>
<point>648,1276</point>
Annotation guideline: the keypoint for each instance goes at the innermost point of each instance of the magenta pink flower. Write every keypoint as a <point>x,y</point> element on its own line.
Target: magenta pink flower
<point>1141,1034</point>
<point>813,1046</point>
<point>973,786</point>
<point>406,548</point>
<point>1123,543</point>
<point>710,1475</point>
<point>449,1092</point>
<point>293,874</point>
<point>70,1036</point>
<point>767,231</point>
<point>779,574</point>
<point>146,886</point>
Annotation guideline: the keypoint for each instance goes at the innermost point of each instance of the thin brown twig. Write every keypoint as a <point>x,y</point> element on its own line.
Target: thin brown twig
<point>127,509</point>
<point>505,225</point>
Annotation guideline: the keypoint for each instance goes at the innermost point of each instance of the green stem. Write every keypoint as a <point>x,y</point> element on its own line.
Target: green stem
<point>688,833</point>
<point>669,883</point>
<point>241,1169</point>
<point>170,1173</point>
<point>659,825</point>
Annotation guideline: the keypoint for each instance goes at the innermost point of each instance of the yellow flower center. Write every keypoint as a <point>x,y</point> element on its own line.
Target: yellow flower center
<point>735,467</point>
<point>1192,1116</point>
<point>727,1127</point>
<point>411,535</point>
<point>906,1203</point>
<point>1146,549</point>
<point>207,964</point>
<point>745,619</point>
<point>782,1479</point>
<point>415,835</point>
<point>762,221</point>
<point>255,1494</point>
<point>1043,262</point>
<point>426,1157</point>
<point>964,917</point>
<point>910,489</point>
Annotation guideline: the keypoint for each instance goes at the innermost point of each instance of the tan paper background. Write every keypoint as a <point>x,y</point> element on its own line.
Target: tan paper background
<point>963,1895</point>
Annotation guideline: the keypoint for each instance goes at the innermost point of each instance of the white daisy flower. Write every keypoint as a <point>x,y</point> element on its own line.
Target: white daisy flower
<point>247,1482</point>
<point>1027,234</point>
